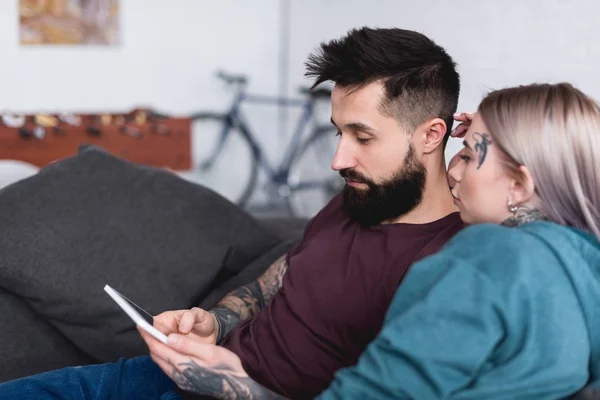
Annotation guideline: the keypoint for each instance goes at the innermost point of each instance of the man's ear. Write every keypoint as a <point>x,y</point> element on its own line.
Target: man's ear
<point>435,130</point>
<point>523,187</point>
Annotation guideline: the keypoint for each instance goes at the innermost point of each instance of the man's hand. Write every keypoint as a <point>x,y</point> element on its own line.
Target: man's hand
<point>465,120</point>
<point>204,369</point>
<point>197,323</point>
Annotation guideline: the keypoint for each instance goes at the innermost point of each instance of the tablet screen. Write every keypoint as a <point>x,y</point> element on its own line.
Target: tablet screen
<point>143,319</point>
<point>146,315</point>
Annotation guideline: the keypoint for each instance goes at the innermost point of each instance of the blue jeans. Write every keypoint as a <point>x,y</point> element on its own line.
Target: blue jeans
<point>138,378</point>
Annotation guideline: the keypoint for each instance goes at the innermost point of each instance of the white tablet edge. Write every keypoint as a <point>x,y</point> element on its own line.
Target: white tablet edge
<point>134,315</point>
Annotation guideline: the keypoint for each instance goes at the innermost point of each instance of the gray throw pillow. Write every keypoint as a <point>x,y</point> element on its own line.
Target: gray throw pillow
<point>95,219</point>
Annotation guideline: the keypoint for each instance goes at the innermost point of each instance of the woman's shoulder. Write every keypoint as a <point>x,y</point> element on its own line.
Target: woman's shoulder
<point>489,246</point>
<point>494,236</point>
<point>540,232</point>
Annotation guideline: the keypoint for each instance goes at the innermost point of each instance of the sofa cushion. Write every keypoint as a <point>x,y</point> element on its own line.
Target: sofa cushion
<point>95,219</point>
<point>29,344</point>
<point>286,228</point>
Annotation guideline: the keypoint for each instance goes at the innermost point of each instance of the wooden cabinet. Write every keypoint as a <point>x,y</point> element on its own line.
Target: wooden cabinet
<point>162,142</point>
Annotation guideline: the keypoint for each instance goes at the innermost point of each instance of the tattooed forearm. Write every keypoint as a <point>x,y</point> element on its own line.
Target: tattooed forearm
<point>246,301</point>
<point>272,279</point>
<point>238,306</point>
<point>220,382</point>
<point>482,141</point>
<point>524,215</point>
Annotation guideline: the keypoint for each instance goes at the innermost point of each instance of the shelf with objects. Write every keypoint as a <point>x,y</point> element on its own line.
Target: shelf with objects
<point>140,136</point>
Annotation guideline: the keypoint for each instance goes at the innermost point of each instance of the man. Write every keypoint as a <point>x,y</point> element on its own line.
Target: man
<point>472,321</point>
<point>315,310</point>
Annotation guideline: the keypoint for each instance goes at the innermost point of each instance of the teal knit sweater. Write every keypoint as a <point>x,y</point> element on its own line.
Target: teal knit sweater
<point>498,313</point>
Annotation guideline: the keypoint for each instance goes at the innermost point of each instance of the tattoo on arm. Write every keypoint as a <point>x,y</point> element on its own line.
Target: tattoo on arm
<point>272,279</point>
<point>219,382</point>
<point>246,301</point>
<point>238,306</point>
<point>482,141</point>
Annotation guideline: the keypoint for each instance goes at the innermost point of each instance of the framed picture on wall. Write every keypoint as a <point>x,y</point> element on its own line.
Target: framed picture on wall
<point>69,22</point>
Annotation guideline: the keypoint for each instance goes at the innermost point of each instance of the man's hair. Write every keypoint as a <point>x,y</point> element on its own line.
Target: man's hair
<point>419,77</point>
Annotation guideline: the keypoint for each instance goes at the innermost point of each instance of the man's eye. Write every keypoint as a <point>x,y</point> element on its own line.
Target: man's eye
<point>362,141</point>
<point>465,157</point>
<point>338,133</point>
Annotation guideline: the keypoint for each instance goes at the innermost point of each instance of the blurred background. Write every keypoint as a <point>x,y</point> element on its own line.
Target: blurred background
<point>166,83</point>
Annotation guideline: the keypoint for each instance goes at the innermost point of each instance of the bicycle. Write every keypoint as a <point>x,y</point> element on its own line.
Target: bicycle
<point>303,179</point>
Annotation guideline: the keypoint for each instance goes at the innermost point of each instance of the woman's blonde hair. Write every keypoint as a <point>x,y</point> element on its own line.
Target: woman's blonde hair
<point>553,130</point>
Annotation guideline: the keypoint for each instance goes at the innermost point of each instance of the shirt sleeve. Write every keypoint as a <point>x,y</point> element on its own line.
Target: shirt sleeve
<point>442,325</point>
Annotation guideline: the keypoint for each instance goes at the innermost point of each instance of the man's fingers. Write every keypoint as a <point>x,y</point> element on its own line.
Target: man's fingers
<point>187,322</point>
<point>198,319</point>
<point>156,347</point>
<point>164,325</point>
<point>167,361</point>
<point>205,322</point>
<point>201,315</point>
<point>187,345</point>
<point>160,350</point>
<point>148,338</point>
<point>162,364</point>
<point>168,322</point>
<point>177,347</point>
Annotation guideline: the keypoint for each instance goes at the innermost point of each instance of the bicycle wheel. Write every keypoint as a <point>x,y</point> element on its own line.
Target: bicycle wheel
<point>312,181</point>
<point>223,158</point>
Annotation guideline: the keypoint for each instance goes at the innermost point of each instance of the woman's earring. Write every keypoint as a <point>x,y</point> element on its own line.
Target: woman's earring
<point>512,208</point>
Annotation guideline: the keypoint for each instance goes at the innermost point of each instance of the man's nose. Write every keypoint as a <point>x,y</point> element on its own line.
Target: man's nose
<point>344,157</point>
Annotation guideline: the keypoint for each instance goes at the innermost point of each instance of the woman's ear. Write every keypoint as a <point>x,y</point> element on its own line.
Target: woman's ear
<point>435,130</point>
<point>523,187</point>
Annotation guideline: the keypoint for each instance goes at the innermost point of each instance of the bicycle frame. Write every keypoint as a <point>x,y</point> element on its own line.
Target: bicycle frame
<point>276,173</point>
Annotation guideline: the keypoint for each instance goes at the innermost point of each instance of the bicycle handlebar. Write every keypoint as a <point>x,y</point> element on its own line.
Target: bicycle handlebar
<point>242,80</point>
<point>319,93</point>
<point>232,78</point>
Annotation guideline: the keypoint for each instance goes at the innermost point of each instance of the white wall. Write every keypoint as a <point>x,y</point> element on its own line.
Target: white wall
<point>170,50</point>
<point>168,54</point>
<point>496,43</point>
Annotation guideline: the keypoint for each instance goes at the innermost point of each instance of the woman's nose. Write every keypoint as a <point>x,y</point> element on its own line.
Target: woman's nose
<point>453,175</point>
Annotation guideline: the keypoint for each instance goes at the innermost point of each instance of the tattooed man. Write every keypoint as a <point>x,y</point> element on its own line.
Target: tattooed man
<point>317,307</point>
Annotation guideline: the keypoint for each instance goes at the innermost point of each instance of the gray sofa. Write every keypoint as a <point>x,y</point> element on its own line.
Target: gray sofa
<point>95,219</point>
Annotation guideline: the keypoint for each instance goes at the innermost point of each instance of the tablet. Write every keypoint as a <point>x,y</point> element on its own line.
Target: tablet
<point>142,322</point>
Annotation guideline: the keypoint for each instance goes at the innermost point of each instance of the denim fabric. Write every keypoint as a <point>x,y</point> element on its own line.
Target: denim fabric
<point>138,378</point>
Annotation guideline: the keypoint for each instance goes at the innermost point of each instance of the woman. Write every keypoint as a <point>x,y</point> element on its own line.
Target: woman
<point>508,309</point>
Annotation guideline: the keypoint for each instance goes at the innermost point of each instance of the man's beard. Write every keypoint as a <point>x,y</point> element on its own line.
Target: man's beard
<point>388,200</point>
